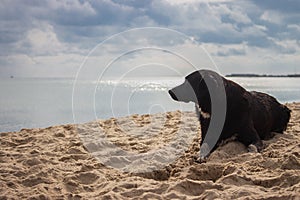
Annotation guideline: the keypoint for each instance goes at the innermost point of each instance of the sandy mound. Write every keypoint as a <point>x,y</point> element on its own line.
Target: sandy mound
<point>147,157</point>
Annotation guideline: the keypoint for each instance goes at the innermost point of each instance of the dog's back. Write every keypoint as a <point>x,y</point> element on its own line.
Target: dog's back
<point>268,114</point>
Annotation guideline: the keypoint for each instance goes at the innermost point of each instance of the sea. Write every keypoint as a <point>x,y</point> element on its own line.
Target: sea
<point>44,102</point>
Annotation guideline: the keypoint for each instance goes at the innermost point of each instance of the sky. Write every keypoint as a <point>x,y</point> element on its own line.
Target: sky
<point>48,38</point>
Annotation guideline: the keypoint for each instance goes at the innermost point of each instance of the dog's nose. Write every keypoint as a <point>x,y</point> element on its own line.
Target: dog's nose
<point>172,94</point>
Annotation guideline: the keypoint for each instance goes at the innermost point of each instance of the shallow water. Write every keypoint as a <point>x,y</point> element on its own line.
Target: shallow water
<point>42,102</point>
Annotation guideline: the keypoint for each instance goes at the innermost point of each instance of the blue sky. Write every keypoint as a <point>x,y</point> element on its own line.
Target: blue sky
<point>52,38</point>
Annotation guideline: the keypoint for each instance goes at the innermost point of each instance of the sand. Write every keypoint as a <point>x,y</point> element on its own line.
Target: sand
<point>145,157</point>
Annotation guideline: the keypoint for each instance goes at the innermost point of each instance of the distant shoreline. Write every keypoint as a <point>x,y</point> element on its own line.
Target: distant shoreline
<point>264,75</point>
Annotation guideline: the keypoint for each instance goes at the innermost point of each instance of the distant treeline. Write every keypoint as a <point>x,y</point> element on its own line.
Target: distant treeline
<point>262,75</point>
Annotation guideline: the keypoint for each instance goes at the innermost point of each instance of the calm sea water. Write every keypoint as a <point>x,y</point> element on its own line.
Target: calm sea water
<point>33,102</point>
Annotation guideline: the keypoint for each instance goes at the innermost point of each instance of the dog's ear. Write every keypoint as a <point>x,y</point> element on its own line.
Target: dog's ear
<point>194,79</point>
<point>201,81</point>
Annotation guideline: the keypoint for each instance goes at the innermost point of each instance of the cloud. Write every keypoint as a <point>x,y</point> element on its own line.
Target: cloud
<point>272,17</point>
<point>283,6</point>
<point>34,29</point>
<point>232,50</point>
<point>42,41</point>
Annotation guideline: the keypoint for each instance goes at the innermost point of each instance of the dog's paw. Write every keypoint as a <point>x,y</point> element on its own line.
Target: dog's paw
<point>252,148</point>
<point>200,160</point>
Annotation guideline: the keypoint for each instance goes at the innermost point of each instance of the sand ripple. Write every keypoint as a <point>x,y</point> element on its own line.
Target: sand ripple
<point>53,163</point>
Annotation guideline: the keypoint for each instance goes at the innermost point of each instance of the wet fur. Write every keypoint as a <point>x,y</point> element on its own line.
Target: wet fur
<point>251,116</point>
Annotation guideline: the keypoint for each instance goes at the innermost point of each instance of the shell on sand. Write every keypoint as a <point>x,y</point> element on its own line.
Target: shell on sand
<point>71,161</point>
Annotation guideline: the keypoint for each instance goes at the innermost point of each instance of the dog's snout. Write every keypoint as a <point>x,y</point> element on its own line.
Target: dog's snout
<point>172,94</point>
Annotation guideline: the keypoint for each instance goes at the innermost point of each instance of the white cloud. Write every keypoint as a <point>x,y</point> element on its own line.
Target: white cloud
<point>196,1</point>
<point>56,31</point>
<point>227,50</point>
<point>272,17</point>
<point>255,30</point>
<point>235,13</point>
<point>294,27</point>
<point>287,46</point>
<point>255,59</point>
<point>84,8</point>
<point>44,41</point>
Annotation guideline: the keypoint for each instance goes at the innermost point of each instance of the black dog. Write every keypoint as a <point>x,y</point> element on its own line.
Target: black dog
<point>250,116</point>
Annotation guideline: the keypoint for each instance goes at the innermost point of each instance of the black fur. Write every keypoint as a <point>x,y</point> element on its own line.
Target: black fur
<point>251,116</point>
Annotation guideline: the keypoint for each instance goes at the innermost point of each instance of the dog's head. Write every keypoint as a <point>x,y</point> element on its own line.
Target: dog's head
<point>195,88</point>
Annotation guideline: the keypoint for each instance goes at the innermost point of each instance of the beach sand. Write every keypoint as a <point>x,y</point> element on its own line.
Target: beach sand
<point>145,157</point>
